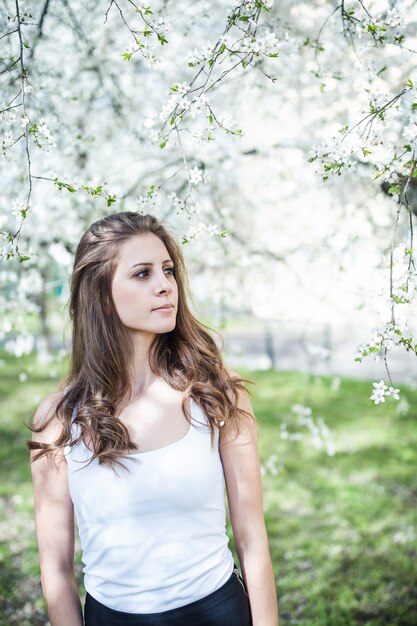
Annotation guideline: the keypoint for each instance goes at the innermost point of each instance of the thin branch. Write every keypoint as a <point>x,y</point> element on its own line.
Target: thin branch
<point>28,160</point>
<point>39,32</point>
<point>375,113</point>
<point>10,66</point>
<point>12,107</point>
<point>9,33</point>
<point>108,10</point>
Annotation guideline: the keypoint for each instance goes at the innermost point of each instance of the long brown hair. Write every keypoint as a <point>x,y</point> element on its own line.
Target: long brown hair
<point>187,357</point>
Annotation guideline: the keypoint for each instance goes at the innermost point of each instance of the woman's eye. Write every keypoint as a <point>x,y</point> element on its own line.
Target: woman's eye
<point>146,272</point>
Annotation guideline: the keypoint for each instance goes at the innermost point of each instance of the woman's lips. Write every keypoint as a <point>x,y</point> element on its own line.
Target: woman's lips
<point>164,309</point>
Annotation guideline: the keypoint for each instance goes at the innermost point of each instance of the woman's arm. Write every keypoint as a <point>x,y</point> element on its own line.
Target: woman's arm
<point>240,459</point>
<point>54,521</point>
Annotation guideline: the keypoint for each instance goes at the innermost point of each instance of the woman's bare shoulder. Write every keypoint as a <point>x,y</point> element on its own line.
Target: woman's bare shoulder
<point>45,417</point>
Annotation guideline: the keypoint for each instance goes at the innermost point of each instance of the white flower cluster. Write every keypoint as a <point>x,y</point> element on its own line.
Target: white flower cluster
<point>194,232</point>
<point>409,111</point>
<point>260,45</point>
<point>162,25</point>
<point>179,101</point>
<point>181,205</point>
<point>404,275</point>
<point>177,203</point>
<point>381,390</point>
<point>198,105</point>
<point>249,6</point>
<point>199,136</point>
<point>384,337</point>
<point>196,176</point>
<point>43,130</point>
<point>156,26</point>
<point>182,88</point>
<point>387,28</point>
<point>150,201</point>
<point>333,156</point>
<point>147,52</point>
<point>7,250</point>
<point>197,56</point>
<point>38,130</point>
<point>320,433</point>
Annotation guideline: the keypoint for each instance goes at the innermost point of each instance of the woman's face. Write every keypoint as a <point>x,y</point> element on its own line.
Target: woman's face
<point>144,281</point>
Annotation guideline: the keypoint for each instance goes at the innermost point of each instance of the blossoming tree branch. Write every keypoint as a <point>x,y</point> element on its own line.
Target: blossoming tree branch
<point>153,89</point>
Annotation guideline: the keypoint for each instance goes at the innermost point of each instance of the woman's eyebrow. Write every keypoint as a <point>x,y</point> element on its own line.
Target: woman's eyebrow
<point>148,263</point>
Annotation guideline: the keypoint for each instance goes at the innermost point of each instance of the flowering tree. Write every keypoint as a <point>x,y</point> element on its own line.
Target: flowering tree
<point>105,104</point>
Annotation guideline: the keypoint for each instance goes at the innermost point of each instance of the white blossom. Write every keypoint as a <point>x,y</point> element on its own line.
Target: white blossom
<point>196,176</point>
<point>381,390</point>
<point>195,232</point>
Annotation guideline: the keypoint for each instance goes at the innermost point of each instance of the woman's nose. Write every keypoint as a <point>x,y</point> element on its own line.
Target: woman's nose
<point>164,283</point>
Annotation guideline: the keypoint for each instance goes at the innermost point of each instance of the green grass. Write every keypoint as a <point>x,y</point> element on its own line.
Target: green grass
<point>342,529</point>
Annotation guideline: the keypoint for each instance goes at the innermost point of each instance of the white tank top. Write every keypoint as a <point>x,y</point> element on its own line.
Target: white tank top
<point>154,538</point>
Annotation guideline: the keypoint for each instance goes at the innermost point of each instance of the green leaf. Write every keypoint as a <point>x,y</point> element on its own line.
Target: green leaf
<point>274,55</point>
<point>211,118</point>
<point>174,88</point>
<point>163,144</point>
<point>127,56</point>
<point>414,174</point>
<point>243,18</point>
<point>24,258</point>
<point>394,189</point>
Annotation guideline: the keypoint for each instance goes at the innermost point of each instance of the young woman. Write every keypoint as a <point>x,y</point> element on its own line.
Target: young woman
<point>141,442</point>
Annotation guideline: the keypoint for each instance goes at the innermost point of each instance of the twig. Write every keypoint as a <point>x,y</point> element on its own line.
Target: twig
<point>9,33</point>
<point>11,65</point>
<point>22,78</point>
